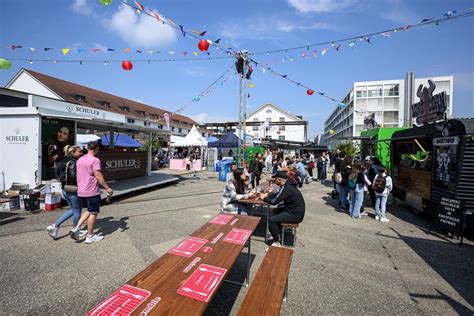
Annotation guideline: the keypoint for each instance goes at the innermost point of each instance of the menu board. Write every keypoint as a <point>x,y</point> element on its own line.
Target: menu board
<point>202,283</point>
<point>450,215</point>
<point>188,247</point>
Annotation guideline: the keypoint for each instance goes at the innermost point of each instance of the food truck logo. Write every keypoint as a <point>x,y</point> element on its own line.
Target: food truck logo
<point>70,108</point>
<point>431,107</point>
<point>121,164</point>
<point>17,139</point>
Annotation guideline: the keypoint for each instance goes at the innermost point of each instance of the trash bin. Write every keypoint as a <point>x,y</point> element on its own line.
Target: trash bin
<point>224,169</point>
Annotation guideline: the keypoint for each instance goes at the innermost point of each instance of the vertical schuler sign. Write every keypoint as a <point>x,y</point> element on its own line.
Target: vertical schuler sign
<point>19,141</point>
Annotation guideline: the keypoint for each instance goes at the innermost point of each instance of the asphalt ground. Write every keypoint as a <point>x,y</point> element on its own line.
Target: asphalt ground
<point>340,265</point>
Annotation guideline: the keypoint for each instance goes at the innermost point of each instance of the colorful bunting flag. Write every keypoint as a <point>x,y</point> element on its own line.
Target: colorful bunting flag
<point>65,51</point>
<point>33,50</point>
<point>155,15</point>
<point>127,50</point>
<point>16,46</point>
<point>425,20</point>
<point>110,50</point>
<point>139,5</point>
<point>138,51</point>
<point>217,41</point>
<point>386,34</point>
<point>194,31</point>
<point>195,53</point>
<point>303,55</point>
<point>324,51</point>
<point>166,116</point>
<point>182,30</point>
<point>171,52</point>
<point>203,33</point>
<point>96,50</point>
<point>337,47</point>
<point>80,51</point>
<point>315,53</point>
<point>351,44</point>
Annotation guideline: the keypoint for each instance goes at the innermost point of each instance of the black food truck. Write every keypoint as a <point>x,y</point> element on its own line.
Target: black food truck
<point>432,161</point>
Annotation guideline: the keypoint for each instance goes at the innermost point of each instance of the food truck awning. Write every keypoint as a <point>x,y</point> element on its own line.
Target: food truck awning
<point>122,140</point>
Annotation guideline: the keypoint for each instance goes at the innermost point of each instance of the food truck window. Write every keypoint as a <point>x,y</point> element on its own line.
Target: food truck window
<point>415,154</point>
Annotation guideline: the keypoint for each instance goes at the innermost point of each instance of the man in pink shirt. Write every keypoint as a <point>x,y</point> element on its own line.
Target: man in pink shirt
<point>89,177</point>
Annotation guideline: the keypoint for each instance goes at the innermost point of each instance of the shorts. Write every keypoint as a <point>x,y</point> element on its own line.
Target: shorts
<point>92,203</point>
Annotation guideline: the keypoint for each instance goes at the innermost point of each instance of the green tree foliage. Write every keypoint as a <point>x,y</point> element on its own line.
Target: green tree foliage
<point>349,149</point>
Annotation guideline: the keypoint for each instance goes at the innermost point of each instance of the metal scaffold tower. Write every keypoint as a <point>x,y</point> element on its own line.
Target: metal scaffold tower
<point>242,69</point>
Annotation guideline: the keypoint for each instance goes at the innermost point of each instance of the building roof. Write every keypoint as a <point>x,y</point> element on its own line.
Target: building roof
<point>95,98</point>
<point>296,118</point>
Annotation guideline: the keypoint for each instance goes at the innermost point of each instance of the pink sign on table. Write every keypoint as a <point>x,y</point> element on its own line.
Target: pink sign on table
<point>238,236</point>
<point>122,302</point>
<point>202,283</point>
<point>188,247</point>
<point>222,219</point>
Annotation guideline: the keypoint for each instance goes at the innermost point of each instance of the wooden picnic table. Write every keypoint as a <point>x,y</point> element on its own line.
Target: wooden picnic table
<point>265,206</point>
<point>164,277</point>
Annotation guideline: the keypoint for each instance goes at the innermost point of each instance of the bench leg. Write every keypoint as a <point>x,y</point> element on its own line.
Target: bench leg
<point>283,237</point>
<point>285,296</point>
<point>247,278</point>
<point>267,215</point>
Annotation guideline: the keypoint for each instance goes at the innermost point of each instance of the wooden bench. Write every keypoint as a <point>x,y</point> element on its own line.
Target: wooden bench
<point>270,285</point>
<point>284,227</point>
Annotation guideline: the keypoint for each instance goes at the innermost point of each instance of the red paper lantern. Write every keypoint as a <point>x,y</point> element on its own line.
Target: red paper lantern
<point>309,92</point>
<point>203,45</point>
<point>127,65</point>
<point>278,132</point>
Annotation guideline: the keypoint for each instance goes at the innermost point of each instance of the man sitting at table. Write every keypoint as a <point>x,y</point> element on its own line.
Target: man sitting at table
<point>293,206</point>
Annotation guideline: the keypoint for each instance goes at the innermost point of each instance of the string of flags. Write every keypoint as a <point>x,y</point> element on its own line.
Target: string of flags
<point>336,44</point>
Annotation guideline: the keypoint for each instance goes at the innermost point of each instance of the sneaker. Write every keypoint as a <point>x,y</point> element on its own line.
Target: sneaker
<point>384,220</point>
<point>74,234</point>
<point>93,238</point>
<point>53,231</point>
<point>377,217</point>
<point>364,213</point>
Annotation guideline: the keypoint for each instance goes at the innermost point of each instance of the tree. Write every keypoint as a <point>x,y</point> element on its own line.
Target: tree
<point>348,149</point>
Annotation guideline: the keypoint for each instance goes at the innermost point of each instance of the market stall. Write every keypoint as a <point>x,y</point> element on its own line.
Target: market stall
<point>192,144</point>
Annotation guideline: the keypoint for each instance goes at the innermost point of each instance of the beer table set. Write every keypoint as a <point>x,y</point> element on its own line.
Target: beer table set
<point>185,279</point>
<point>267,208</point>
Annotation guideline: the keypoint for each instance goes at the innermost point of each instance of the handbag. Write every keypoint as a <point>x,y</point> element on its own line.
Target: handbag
<point>69,187</point>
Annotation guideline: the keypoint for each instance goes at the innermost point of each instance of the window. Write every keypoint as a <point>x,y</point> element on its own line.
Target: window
<point>106,104</point>
<point>80,98</point>
<point>131,121</point>
<point>390,117</point>
<point>281,127</point>
<point>361,92</point>
<point>269,119</point>
<point>255,119</point>
<point>255,128</point>
<point>154,116</point>
<point>125,108</point>
<point>141,113</point>
<point>282,119</point>
<point>172,128</point>
<point>180,130</point>
<point>374,91</point>
<point>390,90</point>
<point>268,111</point>
<point>374,104</point>
<point>146,123</point>
<point>281,137</point>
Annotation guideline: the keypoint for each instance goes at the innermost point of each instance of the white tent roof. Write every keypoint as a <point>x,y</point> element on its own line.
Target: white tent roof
<point>85,138</point>
<point>193,138</point>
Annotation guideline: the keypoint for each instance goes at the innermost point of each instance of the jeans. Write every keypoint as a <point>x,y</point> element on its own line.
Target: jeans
<point>75,208</point>
<point>255,180</point>
<point>357,197</point>
<point>380,205</point>
<point>274,223</point>
<point>343,192</point>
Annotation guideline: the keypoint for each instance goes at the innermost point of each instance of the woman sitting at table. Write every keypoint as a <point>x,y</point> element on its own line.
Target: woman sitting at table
<point>235,190</point>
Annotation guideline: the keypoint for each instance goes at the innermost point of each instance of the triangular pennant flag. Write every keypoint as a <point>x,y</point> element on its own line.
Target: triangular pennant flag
<point>283,59</point>
<point>171,22</point>
<point>217,41</point>
<point>139,5</point>
<point>386,34</point>
<point>66,51</point>
<point>47,48</point>
<point>155,15</point>
<point>194,31</point>
<point>203,33</point>
<point>138,51</point>
<point>150,51</point>
<point>315,53</point>
<point>450,13</point>
<point>263,70</point>
<point>351,44</point>
<point>425,20</point>
<point>337,47</point>
<point>171,52</point>
<point>80,50</point>
<point>182,30</point>
<point>303,55</point>
<point>110,50</point>
<point>292,58</point>
<point>127,50</point>
<point>33,50</point>
<point>367,39</point>
<point>195,53</point>
<point>16,46</point>
<point>96,50</point>
<point>403,28</point>
<point>284,76</point>
<point>324,51</point>
<point>185,53</point>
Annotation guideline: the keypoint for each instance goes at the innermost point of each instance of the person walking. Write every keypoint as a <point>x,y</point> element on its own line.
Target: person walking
<point>293,206</point>
<point>356,185</point>
<point>311,165</point>
<point>67,175</point>
<point>382,186</point>
<point>268,162</point>
<point>255,169</point>
<point>89,176</point>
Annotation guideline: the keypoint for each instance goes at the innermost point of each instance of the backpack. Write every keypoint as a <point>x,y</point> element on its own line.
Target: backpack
<point>338,178</point>
<point>379,184</point>
<point>352,184</point>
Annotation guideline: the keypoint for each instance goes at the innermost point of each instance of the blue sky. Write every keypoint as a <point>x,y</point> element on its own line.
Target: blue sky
<point>446,49</point>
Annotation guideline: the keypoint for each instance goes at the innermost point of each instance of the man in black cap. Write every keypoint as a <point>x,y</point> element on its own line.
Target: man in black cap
<point>293,206</point>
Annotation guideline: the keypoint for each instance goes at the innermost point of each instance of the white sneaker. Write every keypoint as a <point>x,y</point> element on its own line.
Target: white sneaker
<point>93,238</point>
<point>377,217</point>
<point>384,220</point>
<point>364,213</point>
<point>53,231</point>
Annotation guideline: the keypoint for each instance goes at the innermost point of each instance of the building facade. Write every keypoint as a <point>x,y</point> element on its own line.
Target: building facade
<point>388,102</point>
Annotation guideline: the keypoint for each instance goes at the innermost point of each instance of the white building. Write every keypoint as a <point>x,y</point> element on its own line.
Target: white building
<point>388,100</point>
<point>288,127</point>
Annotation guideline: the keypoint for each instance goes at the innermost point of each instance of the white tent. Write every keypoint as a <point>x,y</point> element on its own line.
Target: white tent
<point>193,138</point>
<point>85,138</point>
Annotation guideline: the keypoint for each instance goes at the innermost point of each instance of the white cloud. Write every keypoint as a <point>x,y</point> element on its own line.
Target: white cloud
<point>264,27</point>
<point>195,71</point>
<point>139,29</point>
<point>320,6</point>
<point>81,7</point>
<point>206,118</point>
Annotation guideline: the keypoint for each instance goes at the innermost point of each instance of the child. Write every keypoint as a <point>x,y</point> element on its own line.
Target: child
<point>382,186</point>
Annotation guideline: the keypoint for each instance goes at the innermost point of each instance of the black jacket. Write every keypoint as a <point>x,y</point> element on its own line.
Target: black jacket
<point>71,171</point>
<point>292,199</point>
<point>256,167</point>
